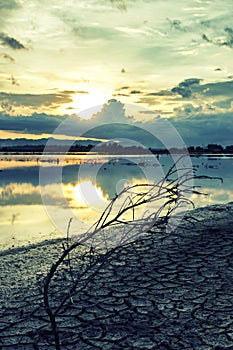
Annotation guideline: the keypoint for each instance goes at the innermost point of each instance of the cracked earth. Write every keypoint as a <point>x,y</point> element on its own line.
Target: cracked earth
<point>163,291</point>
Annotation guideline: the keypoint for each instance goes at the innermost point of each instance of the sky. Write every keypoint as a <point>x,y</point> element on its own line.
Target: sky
<point>171,60</point>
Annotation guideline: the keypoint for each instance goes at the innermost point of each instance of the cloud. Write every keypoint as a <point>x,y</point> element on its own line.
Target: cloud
<point>229,34</point>
<point>225,40</point>
<point>81,92</point>
<point>193,88</point>
<point>218,89</point>
<point>123,88</point>
<point>13,80</point>
<point>225,103</point>
<point>7,107</point>
<point>27,104</point>
<point>133,92</point>
<point>194,125</point>
<point>9,4</point>
<point>150,101</point>
<point>122,95</point>
<point>216,95</point>
<point>87,31</point>
<point>187,110</point>
<point>176,24</point>
<point>25,193</point>
<point>7,57</point>
<point>161,93</point>
<point>36,100</point>
<point>35,124</point>
<point>11,42</point>
<point>184,88</point>
<point>204,128</point>
<point>110,122</point>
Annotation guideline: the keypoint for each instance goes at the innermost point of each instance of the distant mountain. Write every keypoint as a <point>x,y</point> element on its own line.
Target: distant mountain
<point>41,142</point>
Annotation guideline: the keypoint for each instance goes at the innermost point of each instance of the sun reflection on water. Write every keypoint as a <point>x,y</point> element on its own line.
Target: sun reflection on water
<point>89,194</point>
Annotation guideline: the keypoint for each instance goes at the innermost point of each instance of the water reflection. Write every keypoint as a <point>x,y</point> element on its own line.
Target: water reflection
<point>85,194</point>
<point>23,217</point>
<point>20,193</point>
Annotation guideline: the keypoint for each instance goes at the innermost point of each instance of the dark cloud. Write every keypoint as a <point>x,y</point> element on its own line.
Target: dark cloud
<point>11,42</point>
<point>184,88</point>
<point>7,57</point>
<point>194,125</point>
<point>189,82</point>
<point>176,24</point>
<point>82,92</point>
<point>226,41</point>
<point>13,80</point>
<point>205,128</point>
<point>229,34</point>
<point>223,89</point>
<point>73,92</point>
<point>7,107</point>
<point>124,95</point>
<point>35,124</point>
<point>99,127</point>
<point>191,89</point>
<point>135,92</point>
<point>124,88</point>
<point>33,100</point>
<point>205,37</point>
<point>160,93</point>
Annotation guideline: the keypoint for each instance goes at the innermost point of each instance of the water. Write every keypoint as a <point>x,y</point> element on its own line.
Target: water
<point>40,195</point>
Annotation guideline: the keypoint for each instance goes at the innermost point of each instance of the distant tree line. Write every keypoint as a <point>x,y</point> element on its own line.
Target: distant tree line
<point>211,149</point>
<point>115,148</point>
<point>50,149</point>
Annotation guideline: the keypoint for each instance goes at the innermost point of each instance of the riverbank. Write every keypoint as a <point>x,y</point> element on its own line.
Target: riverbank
<point>160,292</point>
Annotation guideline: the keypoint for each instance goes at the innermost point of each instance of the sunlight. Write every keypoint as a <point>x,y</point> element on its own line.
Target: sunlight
<point>82,102</point>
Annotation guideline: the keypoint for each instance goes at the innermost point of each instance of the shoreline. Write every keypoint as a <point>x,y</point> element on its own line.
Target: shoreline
<point>161,291</point>
<point>190,212</point>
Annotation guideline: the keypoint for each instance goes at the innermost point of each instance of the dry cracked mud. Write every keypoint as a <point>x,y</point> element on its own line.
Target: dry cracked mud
<point>163,291</point>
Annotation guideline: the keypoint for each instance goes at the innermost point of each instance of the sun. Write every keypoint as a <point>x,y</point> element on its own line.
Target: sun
<point>84,101</point>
